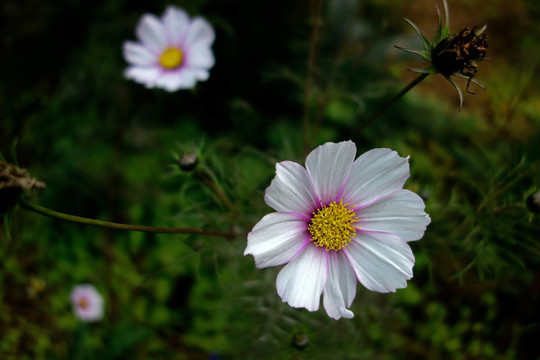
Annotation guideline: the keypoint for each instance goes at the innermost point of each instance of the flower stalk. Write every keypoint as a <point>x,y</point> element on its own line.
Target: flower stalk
<point>117,226</point>
<point>389,103</point>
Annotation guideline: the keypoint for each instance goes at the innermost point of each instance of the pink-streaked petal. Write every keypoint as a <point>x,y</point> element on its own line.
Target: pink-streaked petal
<point>143,75</point>
<point>176,23</point>
<point>200,32</point>
<point>151,32</point>
<point>136,54</point>
<point>93,310</point>
<point>340,287</point>
<point>328,167</point>
<point>301,282</point>
<point>276,239</point>
<point>382,262</point>
<point>375,174</point>
<point>291,190</point>
<point>200,57</point>
<point>400,213</point>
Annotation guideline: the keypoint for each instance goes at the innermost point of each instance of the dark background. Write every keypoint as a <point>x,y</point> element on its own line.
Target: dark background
<point>106,149</point>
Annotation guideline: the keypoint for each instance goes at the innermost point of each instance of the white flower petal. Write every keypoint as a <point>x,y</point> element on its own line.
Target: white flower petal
<point>143,75</point>
<point>340,287</point>
<point>291,190</point>
<point>375,174</point>
<point>276,239</point>
<point>200,56</point>
<point>400,213</point>
<point>136,54</point>
<point>200,74</point>
<point>200,32</point>
<point>382,262</point>
<point>176,23</point>
<point>301,282</point>
<point>328,167</point>
<point>152,34</point>
<point>175,80</point>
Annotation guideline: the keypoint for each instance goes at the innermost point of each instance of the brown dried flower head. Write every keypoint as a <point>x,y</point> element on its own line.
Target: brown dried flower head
<point>13,182</point>
<point>452,54</point>
<point>458,53</point>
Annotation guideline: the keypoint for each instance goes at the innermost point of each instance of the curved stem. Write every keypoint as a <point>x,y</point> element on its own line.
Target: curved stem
<point>209,178</point>
<point>115,226</point>
<point>390,102</point>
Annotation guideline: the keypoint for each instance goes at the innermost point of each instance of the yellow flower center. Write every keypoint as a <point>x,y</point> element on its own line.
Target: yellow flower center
<point>332,226</point>
<point>83,303</point>
<point>171,58</point>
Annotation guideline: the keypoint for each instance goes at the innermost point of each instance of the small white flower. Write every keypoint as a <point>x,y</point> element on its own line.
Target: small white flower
<point>87,303</point>
<point>339,220</point>
<point>174,52</point>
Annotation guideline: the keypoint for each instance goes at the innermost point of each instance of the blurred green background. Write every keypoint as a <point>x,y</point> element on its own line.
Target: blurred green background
<point>104,146</point>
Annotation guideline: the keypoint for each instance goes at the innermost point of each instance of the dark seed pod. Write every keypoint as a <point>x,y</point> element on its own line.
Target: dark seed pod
<point>300,341</point>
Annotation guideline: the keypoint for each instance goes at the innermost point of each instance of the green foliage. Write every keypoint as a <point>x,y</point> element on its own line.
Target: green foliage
<point>103,146</point>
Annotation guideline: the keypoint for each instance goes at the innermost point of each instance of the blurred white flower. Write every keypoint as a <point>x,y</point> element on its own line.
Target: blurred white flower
<point>87,303</point>
<point>174,52</point>
<point>339,220</point>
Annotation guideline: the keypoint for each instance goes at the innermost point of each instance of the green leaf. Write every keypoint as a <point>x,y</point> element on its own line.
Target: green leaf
<point>424,54</point>
<point>427,45</point>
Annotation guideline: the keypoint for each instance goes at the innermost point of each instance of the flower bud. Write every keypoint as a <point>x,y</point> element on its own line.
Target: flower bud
<point>188,161</point>
<point>300,340</point>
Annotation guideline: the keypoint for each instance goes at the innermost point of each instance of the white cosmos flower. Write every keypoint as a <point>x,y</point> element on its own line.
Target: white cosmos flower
<point>339,220</point>
<point>87,303</point>
<point>174,51</point>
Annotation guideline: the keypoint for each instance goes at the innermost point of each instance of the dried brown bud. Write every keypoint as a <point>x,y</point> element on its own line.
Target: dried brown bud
<point>458,53</point>
<point>13,182</point>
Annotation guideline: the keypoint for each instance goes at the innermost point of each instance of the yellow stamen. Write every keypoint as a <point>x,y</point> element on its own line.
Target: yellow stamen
<point>83,303</point>
<point>332,226</point>
<point>171,58</point>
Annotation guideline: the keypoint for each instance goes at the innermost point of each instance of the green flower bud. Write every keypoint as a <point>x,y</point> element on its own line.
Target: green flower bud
<point>300,340</point>
<point>188,161</point>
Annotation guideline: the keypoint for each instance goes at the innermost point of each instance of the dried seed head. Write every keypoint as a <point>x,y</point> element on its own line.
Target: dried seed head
<point>458,53</point>
<point>13,182</point>
<point>452,54</point>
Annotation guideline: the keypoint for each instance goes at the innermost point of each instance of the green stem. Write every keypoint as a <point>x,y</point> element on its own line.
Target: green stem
<point>316,23</point>
<point>372,118</point>
<point>115,226</point>
<point>209,178</point>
